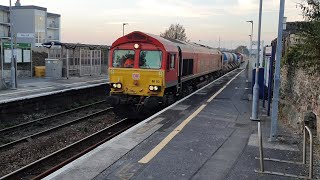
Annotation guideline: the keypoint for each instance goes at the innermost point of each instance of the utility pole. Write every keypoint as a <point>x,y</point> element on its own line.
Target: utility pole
<point>255,101</point>
<point>13,70</point>
<point>123,28</point>
<point>275,102</point>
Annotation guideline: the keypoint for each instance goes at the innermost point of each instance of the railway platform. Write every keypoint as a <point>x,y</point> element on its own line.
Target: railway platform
<point>207,135</point>
<point>39,87</point>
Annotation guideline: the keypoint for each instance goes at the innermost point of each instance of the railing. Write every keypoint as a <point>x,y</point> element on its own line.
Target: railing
<point>305,149</point>
<point>304,155</point>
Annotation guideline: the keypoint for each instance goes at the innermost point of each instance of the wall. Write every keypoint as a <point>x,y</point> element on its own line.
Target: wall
<point>24,22</point>
<point>300,95</point>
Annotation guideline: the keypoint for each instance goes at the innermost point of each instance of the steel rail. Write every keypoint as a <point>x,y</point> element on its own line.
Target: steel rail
<point>10,144</point>
<point>92,142</point>
<point>8,129</point>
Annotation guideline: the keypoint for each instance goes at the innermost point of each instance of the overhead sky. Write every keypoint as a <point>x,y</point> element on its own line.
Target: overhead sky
<point>100,21</point>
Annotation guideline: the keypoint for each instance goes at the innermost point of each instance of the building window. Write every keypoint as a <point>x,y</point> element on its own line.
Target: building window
<point>4,31</point>
<point>40,28</point>
<point>4,17</point>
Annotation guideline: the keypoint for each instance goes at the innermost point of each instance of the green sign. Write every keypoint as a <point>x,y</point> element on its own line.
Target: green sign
<point>17,45</point>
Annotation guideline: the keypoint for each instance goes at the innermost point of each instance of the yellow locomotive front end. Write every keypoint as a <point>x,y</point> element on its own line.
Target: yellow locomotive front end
<point>136,74</point>
<point>136,82</point>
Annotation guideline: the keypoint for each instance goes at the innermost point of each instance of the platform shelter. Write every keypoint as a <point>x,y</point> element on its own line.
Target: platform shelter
<point>79,59</point>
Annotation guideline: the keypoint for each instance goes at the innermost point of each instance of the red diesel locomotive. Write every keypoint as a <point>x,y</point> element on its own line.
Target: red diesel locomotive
<point>148,69</point>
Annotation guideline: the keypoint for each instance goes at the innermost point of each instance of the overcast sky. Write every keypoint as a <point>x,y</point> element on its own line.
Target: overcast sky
<point>100,21</point>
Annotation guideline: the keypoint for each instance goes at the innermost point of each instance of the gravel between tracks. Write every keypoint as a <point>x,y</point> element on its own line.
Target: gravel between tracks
<point>28,152</point>
<point>49,123</point>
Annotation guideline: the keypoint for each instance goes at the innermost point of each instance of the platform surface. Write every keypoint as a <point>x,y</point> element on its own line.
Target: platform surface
<point>37,87</point>
<point>208,135</point>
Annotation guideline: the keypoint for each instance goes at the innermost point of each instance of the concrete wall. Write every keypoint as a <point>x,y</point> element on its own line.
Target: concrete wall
<point>24,22</point>
<point>20,74</point>
<point>300,95</point>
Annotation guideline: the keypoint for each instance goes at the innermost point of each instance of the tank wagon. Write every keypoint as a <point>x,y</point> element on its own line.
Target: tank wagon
<point>231,60</point>
<point>146,69</point>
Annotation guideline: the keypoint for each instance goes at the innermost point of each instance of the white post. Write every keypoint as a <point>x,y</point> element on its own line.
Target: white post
<point>67,61</point>
<point>13,70</point>
<point>275,102</point>
<point>255,101</point>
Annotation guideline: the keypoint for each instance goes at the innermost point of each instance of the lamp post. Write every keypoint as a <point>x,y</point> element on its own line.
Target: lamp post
<point>251,37</point>
<point>275,101</point>
<point>123,28</point>
<point>255,101</point>
<point>13,71</point>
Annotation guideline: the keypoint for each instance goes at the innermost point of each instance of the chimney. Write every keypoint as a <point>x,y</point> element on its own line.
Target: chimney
<point>18,3</point>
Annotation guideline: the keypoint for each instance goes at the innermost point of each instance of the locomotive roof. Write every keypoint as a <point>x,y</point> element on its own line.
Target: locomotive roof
<point>166,43</point>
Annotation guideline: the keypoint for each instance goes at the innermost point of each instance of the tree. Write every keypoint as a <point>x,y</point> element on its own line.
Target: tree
<point>175,31</point>
<point>306,55</point>
<point>242,49</point>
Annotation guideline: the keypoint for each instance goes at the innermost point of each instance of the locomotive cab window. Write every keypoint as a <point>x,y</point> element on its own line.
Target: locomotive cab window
<point>123,59</point>
<point>171,61</point>
<point>150,59</point>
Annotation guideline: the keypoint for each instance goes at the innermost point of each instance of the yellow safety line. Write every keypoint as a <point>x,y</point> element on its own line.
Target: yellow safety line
<point>167,139</point>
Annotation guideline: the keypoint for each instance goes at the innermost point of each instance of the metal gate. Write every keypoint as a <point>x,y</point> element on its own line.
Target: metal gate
<point>90,62</point>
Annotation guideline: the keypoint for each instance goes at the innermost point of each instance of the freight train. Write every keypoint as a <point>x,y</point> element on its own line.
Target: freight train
<point>149,70</point>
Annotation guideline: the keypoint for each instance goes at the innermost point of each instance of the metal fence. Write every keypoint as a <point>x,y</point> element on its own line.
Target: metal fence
<point>80,59</point>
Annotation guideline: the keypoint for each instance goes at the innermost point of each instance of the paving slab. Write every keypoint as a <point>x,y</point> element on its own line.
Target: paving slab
<point>38,87</point>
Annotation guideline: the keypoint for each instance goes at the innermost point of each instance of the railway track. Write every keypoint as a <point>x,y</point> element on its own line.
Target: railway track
<point>56,160</point>
<point>15,134</point>
<point>29,123</point>
<point>36,139</point>
<point>41,133</point>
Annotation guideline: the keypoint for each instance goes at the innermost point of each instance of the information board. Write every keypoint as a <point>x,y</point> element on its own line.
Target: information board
<point>26,56</point>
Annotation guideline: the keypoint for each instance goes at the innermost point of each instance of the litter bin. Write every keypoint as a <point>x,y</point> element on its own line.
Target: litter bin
<point>40,71</point>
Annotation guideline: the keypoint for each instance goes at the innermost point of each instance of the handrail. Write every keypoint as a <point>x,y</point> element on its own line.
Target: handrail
<point>305,150</point>
<point>262,159</point>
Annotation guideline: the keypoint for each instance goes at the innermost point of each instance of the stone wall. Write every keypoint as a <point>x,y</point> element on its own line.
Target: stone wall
<point>299,96</point>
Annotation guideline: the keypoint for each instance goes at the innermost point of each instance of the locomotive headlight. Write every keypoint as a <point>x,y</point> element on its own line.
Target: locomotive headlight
<point>136,46</point>
<point>154,88</point>
<point>119,86</point>
<point>114,85</point>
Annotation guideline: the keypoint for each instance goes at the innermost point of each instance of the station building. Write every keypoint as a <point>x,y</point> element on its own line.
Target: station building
<point>30,19</point>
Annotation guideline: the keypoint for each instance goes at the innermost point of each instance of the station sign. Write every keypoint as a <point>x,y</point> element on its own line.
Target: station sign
<point>268,50</point>
<point>25,35</point>
<point>17,45</point>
